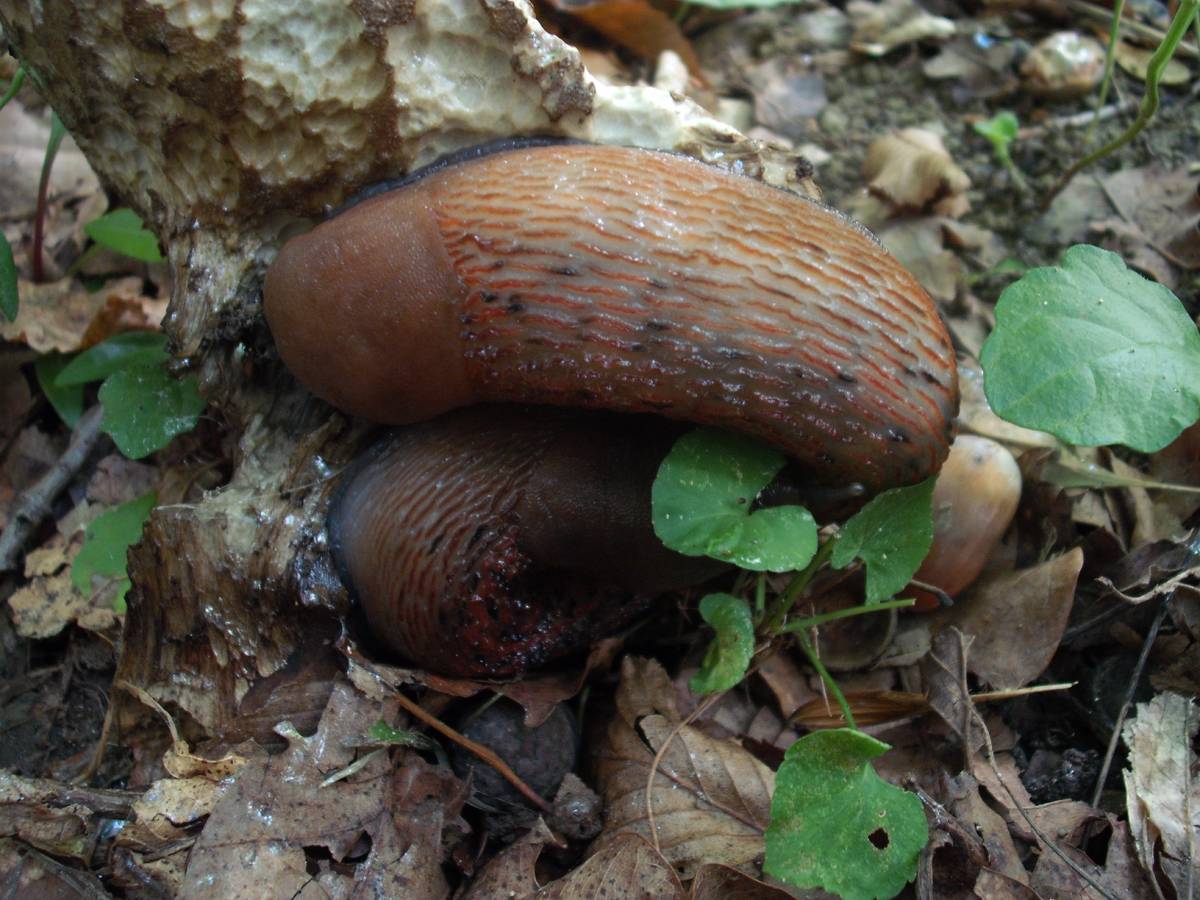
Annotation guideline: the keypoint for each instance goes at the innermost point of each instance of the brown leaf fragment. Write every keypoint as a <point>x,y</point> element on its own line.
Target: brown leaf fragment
<point>997,886</point>
<point>911,171</point>
<point>714,882</point>
<point>1017,619</point>
<point>976,815</point>
<point>254,842</point>
<point>881,27</point>
<point>1162,790</point>
<point>945,679</point>
<point>624,868</point>
<point>1163,203</point>
<point>511,872</point>
<point>711,797</point>
<point>31,875</point>
<point>1074,828</point>
<point>635,25</point>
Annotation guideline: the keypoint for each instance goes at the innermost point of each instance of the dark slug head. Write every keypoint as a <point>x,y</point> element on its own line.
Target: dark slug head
<point>494,538</point>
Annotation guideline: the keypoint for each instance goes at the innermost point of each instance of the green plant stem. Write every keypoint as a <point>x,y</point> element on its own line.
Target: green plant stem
<point>1110,57</point>
<point>783,605</point>
<point>13,87</point>
<point>760,596</point>
<point>57,133</point>
<point>830,684</point>
<point>1154,69</point>
<point>812,621</point>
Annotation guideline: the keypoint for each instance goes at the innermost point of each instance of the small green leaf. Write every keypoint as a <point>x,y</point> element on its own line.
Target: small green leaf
<point>1001,129</point>
<point>1095,354</point>
<point>67,400</point>
<point>701,502</point>
<point>9,299</point>
<point>144,408</point>
<point>891,534</point>
<point>837,825</point>
<point>106,541</point>
<point>383,733</point>
<point>121,351</point>
<point>729,654</point>
<point>13,86</point>
<point>122,230</point>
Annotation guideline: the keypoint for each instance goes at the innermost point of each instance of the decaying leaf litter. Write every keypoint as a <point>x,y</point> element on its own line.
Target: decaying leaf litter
<point>1026,794</point>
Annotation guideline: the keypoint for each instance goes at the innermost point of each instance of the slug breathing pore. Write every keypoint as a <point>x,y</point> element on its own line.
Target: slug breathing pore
<point>594,277</point>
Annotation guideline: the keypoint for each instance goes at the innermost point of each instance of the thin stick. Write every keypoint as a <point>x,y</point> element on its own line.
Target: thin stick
<point>1154,68</point>
<point>1115,737</point>
<point>1016,804</point>
<point>704,706</point>
<point>484,753</point>
<point>35,504</point>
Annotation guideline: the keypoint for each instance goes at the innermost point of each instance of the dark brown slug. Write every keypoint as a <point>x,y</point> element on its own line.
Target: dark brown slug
<point>598,277</point>
<point>494,538</point>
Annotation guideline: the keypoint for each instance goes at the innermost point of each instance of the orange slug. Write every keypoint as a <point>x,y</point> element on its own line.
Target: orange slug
<point>629,280</point>
<point>604,278</point>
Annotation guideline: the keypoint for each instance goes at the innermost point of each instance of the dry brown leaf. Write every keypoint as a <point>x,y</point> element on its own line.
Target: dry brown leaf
<point>253,843</point>
<point>713,882</point>
<point>919,244</point>
<point>23,139</point>
<point>510,873</point>
<point>635,25</point>
<point>995,886</point>
<point>624,868</point>
<point>711,798</point>
<point>61,315</point>
<point>881,27</point>
<point>1161,788</point>
<point>1073,826</point>
<point>964,800</point>
<point>1135,61</point>
<point>1163,204</point>
<point>1017,619</point>
<point>911,171</point>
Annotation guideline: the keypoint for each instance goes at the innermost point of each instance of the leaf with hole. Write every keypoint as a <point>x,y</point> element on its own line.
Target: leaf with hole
<point>702,500</point>
<point>835,824</point>
<point>891,535</point>
<point>1095,354</point>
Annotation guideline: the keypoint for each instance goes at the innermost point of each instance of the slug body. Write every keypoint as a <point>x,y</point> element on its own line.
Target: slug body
<point>495,538</point>
<point>491,540</point>
<point>628,280</point>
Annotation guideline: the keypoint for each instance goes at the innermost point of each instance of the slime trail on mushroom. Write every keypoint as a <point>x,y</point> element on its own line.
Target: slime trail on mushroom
<point>596,277</point>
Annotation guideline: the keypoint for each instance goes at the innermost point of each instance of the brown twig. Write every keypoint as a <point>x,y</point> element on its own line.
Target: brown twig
<point>484,753</point>
<point>1115,737</point>
<point>1016,804</point>
<point>35,504</point>
<point>702,708</point>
